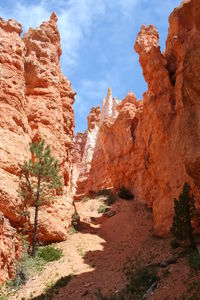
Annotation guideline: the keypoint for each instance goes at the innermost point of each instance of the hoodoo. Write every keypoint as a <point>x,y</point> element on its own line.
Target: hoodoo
<point>151,146</point>
<point>35,102</point>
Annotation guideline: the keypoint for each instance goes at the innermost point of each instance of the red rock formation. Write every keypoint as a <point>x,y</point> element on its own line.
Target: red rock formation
<point>171,108</point>
<point>114,158</point>
<point>10,249</point>
<point>35,102</point>
<point>53,117</point>
<point>89,145</point>
<point>83,152</point>
<point>14,129</point>
<point>94,117</point>
<point>77,156</point>
<point>155,150</point>
<point>50,114</point>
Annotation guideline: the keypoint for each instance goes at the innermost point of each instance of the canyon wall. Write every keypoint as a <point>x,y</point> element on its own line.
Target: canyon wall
<point>152,148</point>
<point>35,102</point>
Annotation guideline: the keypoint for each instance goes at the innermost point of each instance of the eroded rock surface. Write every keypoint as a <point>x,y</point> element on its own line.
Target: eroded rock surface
<point>152,146</point>
<point>88,144</point>
<point>10,248</point>
<point>35,102</point>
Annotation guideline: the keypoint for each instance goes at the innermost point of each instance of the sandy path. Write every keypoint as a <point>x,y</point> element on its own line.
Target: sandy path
<point>96,255</point>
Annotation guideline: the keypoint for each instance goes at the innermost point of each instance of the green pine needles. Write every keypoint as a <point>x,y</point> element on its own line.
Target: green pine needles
<point>42,180</point>
<point>184,212</point>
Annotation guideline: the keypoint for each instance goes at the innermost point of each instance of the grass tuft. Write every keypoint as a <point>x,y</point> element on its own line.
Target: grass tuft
<point>49,253</point>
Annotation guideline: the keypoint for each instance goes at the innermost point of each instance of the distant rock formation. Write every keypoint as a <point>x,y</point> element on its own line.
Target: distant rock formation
<point>35,102</point>
<point>86,144</point>
<point>152,146</point>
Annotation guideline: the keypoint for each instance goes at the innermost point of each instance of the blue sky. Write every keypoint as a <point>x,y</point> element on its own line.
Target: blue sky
<point>97,38</point>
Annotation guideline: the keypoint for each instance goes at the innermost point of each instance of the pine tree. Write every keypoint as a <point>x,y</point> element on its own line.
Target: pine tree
<point>184,212</point>
<point>42,180</point>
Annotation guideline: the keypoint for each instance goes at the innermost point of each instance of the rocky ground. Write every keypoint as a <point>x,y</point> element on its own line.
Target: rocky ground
<point>96,255</point>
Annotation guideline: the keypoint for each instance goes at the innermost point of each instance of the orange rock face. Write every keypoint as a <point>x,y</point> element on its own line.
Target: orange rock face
<point>53,117</point>
<point>35,102</point>
<point>82,153</point>
<point>152,147</point>
<point>10,248</point>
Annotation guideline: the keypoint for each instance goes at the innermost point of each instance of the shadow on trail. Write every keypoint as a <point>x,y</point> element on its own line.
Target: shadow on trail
<point>122,237</point>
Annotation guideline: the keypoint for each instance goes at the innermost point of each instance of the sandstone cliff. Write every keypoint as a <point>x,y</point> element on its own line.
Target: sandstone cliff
<point>35,102</point>
<point>153,149</point>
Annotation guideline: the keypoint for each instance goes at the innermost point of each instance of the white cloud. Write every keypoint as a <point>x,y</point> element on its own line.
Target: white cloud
<point>75,19</point>
<point>93,89</point>
<point>28,15</point>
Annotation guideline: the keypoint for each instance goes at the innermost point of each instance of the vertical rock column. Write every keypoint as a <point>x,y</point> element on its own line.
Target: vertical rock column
<point>14,141</point>
<point>49,94</point>
<point>14,128</point>
<point>49,98</point>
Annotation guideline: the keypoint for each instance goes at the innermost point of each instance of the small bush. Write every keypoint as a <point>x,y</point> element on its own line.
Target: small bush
<point>102,209</point>
<point>174,244</point>
<point>111,199</point>
<point>110,196</point>
<point>139,279</point>
<point>72,230</point>
<point>124,193</point>
<point>26,266</point>
<point>194,261</point>
<point>76,221</point>
<point>49,253</point>
<point>184,210</point>
<point>21,277</point>
<point>29,265</point>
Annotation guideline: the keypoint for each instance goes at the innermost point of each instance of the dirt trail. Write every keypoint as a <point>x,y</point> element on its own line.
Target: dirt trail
<point>96,255</point>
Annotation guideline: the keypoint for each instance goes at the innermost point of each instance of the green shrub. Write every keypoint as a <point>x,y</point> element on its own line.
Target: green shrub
<point>49,253</point>
<point>76,221</point>
<point>124,193</point>
<point>193,290</point>
<point>29,265</point>
<point>26,266</point>
<point>102,209</point>
<point>110,199</point>
<point>139,280</point>
<point>72,230</point>
<point>110,196</point>
<point>184,212</point>
<point>194,261</point>
<point>174,244</point>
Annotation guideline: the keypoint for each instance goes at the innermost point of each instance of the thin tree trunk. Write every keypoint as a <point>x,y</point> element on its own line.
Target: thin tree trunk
<point>36,218</point>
